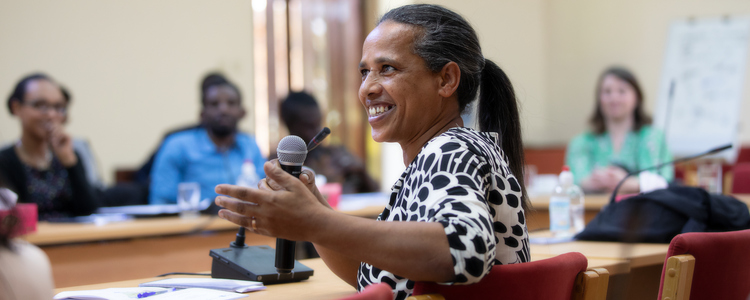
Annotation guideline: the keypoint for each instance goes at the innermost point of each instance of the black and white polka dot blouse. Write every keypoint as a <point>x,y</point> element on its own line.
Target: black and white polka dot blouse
<point>461,180</point>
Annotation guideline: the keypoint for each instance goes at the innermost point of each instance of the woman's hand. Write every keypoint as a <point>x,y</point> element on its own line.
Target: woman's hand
<point>307,177</point>
<point>290,212</point>
<point>606,180</point>
<point>62,145</point>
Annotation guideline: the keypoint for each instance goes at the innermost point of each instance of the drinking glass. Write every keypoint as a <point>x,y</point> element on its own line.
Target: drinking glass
<point>188,197</point>
<point>709,176</point>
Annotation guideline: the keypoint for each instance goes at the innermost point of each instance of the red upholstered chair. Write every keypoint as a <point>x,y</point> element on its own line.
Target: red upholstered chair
<point>741,178</point>
<point>378,291</point>
<point>562,277</point>
<point>721,267</point>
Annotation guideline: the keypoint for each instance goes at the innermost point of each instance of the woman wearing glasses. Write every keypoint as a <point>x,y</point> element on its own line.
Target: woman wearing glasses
<point>42,167</point>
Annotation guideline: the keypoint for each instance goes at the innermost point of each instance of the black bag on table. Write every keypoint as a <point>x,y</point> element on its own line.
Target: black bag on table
<point>658,216</point>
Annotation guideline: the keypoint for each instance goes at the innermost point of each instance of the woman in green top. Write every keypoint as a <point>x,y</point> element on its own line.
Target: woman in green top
<point>621,139</point>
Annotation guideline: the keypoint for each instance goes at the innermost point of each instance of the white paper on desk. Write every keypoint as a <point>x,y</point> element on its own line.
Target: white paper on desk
<point>240,286</point>
<point>150,209</point>
<point>349,202</point>
<point>551,240</point>
<point>107,294</point>
<point>197,294</point>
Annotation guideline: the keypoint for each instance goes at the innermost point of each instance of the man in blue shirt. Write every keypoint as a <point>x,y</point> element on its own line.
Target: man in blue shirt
<point>210,154</point>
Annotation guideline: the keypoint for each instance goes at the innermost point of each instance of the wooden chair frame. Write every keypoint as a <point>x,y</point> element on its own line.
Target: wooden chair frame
<point>678,277</point>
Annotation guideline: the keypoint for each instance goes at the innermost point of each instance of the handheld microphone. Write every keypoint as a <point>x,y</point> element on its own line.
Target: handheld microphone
<point>315,142</point>
<point>709,152</point>
<point>292,153</point>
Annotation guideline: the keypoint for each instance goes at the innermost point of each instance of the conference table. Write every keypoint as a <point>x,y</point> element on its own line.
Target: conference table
<point>143,247</point>
<point>84,254</point>
<point>326,285</point>
<point>323,285</point>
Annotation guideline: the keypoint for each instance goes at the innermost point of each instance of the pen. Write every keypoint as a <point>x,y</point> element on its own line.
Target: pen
<point>149,294</point>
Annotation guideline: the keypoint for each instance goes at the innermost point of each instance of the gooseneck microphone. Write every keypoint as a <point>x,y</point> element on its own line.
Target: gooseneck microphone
<point>292,153</point>
<point>709,152</point>
<point>318,139</point>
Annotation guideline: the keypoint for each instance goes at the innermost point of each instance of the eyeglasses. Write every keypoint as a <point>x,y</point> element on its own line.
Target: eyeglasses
<point>44,107</point>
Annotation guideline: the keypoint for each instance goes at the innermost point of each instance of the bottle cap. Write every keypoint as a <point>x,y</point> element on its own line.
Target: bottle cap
<point>566,177</point>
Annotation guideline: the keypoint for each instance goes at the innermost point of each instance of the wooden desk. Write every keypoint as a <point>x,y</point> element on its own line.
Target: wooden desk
<point>637,255</point>
<point>323,285</point>
<point>65,233</point>
<point>636,266</point>
<point>87,253</point>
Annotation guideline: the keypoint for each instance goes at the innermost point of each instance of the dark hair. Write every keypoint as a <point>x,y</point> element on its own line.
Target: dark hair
<point>293,102</point>
<point>216,79</point>
<point>443,36</point>
<point>21,88</point>
<point>640,118</point>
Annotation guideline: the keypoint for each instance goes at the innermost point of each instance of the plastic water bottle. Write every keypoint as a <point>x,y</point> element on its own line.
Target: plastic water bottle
<point>559,205</point>
<point>576,206</point>
<point>248,177</point>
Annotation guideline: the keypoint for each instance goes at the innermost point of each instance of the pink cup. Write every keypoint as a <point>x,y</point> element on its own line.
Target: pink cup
<point>332,193</point>
<point>27,215</point>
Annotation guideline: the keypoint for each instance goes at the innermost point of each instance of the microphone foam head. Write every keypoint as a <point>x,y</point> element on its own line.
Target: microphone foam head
<point>292,150</point>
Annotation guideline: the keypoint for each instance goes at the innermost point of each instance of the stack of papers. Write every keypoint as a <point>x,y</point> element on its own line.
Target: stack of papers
<point>148,293</point>
<point>230,285</point>
<point>172,289</point>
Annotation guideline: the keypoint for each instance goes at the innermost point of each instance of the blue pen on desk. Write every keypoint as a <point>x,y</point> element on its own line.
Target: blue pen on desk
<point>149,294</point>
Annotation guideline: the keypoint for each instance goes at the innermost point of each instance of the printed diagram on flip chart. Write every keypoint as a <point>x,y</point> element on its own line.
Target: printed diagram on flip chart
<point>702,84</point>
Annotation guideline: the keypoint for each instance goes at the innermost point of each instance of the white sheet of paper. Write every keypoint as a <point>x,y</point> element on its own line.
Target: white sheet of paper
<point>197,294</point>
<point>107,294</point>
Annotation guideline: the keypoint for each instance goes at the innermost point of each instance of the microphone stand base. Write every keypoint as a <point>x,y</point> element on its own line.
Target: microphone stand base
<point>254,263</point>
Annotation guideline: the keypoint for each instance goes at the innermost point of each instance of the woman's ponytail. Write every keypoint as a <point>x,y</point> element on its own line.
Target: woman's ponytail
<point>445,36</point>
<point>498,112</point>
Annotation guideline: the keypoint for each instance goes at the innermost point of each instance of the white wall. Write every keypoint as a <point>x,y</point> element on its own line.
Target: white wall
<point>133,66</point>
<point>512,34</point>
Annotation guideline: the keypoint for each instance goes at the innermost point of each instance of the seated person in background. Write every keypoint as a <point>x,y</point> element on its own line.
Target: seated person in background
<point>25,272</point>
<point>209,155</point>
<point>621,139</point>
<point>136,192</point>
<point>301,114</point>
<point>42,167</point>
<point>143,175</point>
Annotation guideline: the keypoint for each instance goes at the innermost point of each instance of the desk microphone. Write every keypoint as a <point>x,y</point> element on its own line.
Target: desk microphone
<point>709,152</point>
<point>292,153</point>
<point>254,262</point>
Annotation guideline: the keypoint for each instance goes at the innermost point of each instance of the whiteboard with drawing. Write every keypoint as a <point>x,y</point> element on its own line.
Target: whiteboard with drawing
<point>701,85</point>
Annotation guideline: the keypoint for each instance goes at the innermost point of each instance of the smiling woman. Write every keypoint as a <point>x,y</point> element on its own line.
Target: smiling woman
<point>458,209</point>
